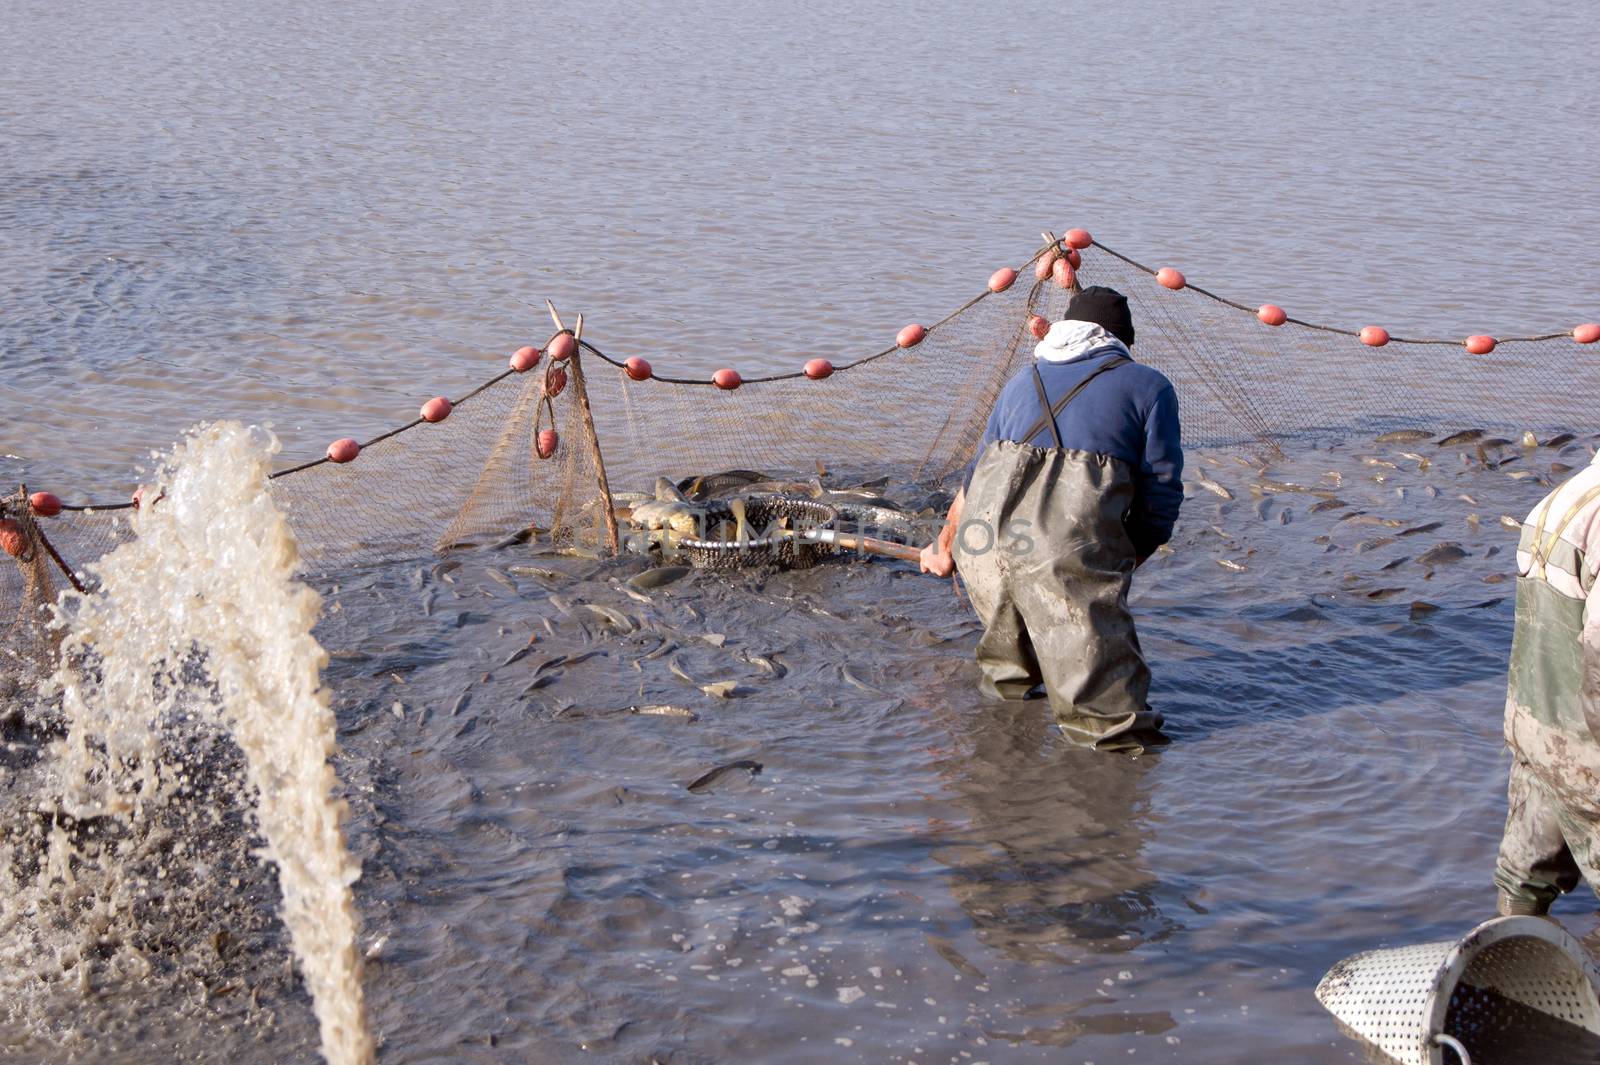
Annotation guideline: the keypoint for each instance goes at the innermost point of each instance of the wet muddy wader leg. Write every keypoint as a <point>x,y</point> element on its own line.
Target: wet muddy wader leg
<point>1536,865</point>
<point>1094,671</point>
<point>1005,654</point>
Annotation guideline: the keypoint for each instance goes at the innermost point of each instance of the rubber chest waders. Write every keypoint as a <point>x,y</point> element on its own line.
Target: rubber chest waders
<point>1048,563</point>
<point>1551,840</point>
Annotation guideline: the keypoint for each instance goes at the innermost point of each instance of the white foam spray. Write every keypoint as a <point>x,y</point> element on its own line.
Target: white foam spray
<point>201,614</point>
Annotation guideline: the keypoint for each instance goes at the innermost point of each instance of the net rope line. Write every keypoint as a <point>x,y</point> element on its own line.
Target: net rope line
<point>1218,368</point>
<point>1314,325</point>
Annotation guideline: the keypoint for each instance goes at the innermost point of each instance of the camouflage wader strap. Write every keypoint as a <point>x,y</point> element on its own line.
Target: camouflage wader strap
<point>1543,545</point>
<point>1051,413</point>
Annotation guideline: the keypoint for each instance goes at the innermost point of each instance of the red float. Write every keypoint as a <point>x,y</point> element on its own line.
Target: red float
<point>12,538</point>
<point>1001,279</point>
<point>525,359</point>
<point>436,409</point>
<point>1171,278</point>
<point>561,347</point>
<point>341,450</point>
<point>1375,335</point>
<point>1272,314</point>
<point>727,379</point>
<point>1480,344</point>
<point>555,381</point>
<point>817,369</point>
<point>1042,265</point>
<point>138,497</point>
<point>45,504</point>
<point>548,440</point>
<point>1064,274</point>
<point>637,368</point>
<point>1587,333</point>
<point>1038,326</point>
<point>910,336</point>
<point>1074,258</point>
<point>1078,238</point>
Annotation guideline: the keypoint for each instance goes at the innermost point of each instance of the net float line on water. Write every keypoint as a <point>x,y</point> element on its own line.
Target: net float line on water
<point>1057,260</point>
<point>1375,336</point>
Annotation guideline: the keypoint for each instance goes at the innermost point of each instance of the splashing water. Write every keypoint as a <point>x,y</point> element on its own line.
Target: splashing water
<point>200,623</point>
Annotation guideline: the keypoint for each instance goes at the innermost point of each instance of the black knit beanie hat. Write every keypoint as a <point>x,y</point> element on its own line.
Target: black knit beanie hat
<point>1106,308</point>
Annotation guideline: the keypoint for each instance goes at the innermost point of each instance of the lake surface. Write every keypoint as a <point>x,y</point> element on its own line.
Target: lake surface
<point>324,215</point>
<point>319,216</point>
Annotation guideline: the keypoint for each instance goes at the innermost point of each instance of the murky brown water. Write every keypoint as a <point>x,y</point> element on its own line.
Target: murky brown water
<point>322,215</point>
<point>914,874</point>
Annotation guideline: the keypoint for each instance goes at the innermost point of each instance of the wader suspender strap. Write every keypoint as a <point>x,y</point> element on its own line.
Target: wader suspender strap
<point>1542,546</point>
<point>1051,413</point>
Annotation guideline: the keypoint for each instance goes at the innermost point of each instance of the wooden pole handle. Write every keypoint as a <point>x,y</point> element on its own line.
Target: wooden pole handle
<point>868,545</point>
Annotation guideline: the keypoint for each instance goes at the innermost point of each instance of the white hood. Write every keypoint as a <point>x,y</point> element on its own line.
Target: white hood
<point>1071,340</point>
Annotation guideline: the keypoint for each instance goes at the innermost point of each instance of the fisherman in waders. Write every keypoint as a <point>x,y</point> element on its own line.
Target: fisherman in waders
<point>1077,482</point>
<point>1552,834</point>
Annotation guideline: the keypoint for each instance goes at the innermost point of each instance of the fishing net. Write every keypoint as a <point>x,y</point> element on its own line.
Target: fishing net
<point>913,413</point>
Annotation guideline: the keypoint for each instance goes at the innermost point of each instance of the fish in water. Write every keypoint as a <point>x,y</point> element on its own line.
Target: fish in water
<point>874,519</point>
<point>676,669</point>
<point>1429,527</point>
<point>711,485</point>
<point>1328,504</point>
<point>669,510</point>
<point>857,682</point>
<point>1404,436</point>
<point>605,615</point>
<point>521,536</point>
<point>659,577</point>
<point>1212,486</point>
<point>645,709</point>
<point>684,519</point>
<point>1466,436</point>
<point>769,663</point>
<point>664,710</point>
<point>1448,551</point>
<point>706,779</point>
<point>1559,439</point>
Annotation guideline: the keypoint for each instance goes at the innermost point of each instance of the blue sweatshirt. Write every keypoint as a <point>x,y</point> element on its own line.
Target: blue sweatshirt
<point>1129,413</point>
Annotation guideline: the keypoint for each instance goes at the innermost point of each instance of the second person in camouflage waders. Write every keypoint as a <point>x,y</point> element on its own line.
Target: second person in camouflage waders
<point>1552,834</point>
<point>1078,481</point>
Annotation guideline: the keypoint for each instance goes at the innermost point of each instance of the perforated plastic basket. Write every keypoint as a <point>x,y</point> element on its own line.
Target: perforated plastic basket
<point>1514,989</point>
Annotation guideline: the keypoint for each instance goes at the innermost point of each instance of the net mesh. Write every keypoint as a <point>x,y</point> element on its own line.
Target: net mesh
<point>913,414</point>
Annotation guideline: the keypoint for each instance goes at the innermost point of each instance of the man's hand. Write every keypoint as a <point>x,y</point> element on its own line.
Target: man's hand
<point>937,561</point>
